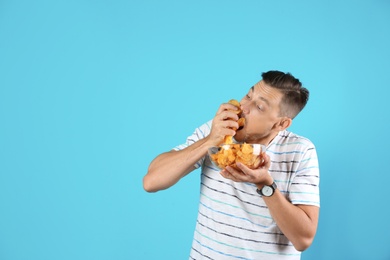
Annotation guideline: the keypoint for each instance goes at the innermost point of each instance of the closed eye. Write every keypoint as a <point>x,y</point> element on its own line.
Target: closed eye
<point>250,91</point>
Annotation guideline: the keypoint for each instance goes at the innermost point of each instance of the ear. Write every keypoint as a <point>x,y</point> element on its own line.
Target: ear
<point>284,123</point>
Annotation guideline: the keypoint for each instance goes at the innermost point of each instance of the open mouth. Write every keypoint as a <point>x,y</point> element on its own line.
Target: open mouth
<point>241,122</point>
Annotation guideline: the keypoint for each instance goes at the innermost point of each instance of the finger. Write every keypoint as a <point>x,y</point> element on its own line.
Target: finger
<point>228,115</point>
<point>231,125</point>
<point>223,173</point>
<point>236,175</point>
<point>226,127</point>
<point>227,107</point>
<point>244,169</point>
<point>227,175</point>
<point>266,160</point>
<point>232,107</point>
<point>248,174</point>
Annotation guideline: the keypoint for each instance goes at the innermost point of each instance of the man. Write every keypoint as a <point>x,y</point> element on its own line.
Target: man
<point>266,213</point>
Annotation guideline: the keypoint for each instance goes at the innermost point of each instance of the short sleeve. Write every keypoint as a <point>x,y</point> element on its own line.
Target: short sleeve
<point>198,134</point>
<point>304,187</point>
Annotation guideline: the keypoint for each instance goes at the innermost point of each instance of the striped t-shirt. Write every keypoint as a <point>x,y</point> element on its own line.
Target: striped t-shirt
<point>233,220</point>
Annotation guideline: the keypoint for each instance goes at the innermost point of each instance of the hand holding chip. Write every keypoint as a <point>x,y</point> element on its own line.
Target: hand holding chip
<point>241,121</point>
<point>225,123</point>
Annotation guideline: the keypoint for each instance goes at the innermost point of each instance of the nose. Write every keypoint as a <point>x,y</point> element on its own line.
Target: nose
<point>245,107</point>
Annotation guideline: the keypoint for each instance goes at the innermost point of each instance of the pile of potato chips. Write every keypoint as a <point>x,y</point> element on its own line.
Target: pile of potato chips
<point>229,155</point>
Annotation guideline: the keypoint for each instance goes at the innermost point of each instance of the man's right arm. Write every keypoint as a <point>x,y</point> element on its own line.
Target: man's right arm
<point>169,167</point>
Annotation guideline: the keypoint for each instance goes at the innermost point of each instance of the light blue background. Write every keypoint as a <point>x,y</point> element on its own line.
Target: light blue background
<point>92,91</point>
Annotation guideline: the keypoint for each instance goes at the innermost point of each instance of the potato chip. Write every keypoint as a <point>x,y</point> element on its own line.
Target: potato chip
<point>236,104</point>
<point>228,139</point>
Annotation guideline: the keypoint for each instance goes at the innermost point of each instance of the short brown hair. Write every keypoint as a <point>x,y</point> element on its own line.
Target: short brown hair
<point>295,96</point>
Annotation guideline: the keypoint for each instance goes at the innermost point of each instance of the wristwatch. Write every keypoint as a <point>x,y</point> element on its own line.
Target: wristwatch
<point>267,191</point>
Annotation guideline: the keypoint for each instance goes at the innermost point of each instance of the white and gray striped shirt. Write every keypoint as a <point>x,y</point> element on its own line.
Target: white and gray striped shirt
<point>233,220</point>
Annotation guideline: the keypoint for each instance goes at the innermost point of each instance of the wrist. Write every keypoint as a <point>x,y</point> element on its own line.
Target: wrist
<point>210,142</point>
<point>267,182</point>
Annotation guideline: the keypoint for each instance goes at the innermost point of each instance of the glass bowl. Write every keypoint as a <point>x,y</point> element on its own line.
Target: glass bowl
<point>230,154</point>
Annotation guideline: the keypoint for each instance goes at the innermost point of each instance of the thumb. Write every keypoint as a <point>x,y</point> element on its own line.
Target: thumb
<point>266,160</point>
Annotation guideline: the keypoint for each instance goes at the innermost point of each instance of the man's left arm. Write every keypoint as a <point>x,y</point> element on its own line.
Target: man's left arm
<point>297,222</point>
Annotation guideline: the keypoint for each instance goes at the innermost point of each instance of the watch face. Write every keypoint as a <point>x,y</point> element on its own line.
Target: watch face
<point>267,191</point>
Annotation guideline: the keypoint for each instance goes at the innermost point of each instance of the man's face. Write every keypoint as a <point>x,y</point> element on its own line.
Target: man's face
<point>261,111</point>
